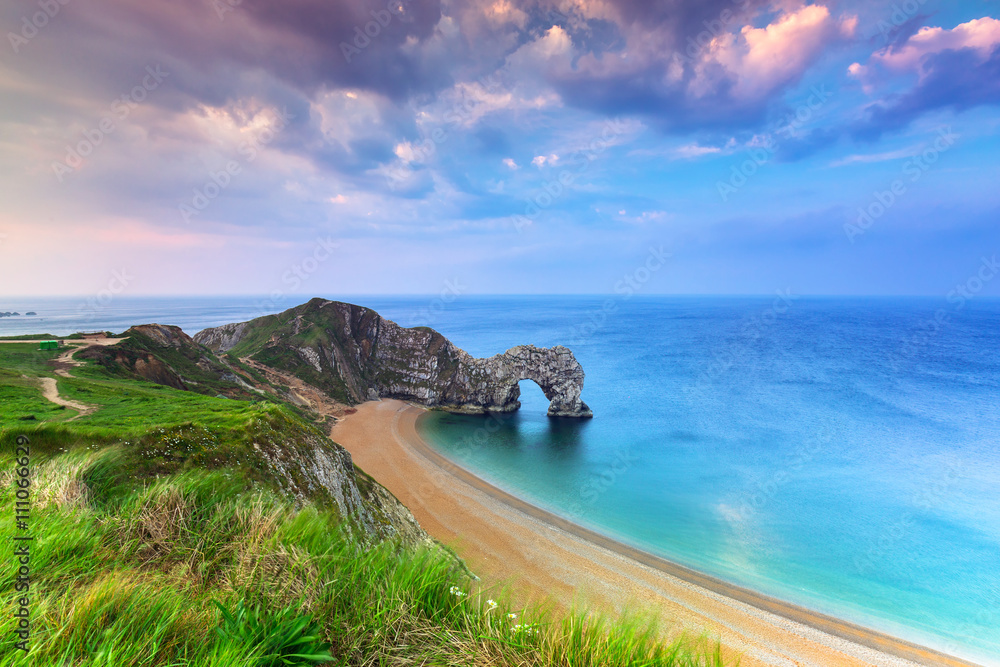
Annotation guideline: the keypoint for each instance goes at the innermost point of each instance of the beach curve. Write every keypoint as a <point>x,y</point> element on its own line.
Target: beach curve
<point>542,556</point>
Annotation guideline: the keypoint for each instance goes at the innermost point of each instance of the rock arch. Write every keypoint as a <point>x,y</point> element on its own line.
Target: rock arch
<point>491,384</point>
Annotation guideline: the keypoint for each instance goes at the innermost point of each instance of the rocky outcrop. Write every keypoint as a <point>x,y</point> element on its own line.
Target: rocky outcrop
<point>309,467</point>
<point>168,356</point>
<point>491,384</point>
<point>354,354</point>
<point>163,335</point>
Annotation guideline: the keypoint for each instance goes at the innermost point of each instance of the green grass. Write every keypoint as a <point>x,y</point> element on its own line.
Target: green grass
<point>26,358</point>
<point>128,407</point>
<point>20,396</point>
<point>162,540</point>
<point>23,403</point>
<point>143,584</point>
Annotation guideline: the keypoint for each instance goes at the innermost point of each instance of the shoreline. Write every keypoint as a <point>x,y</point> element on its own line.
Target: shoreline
<point>551,558</point>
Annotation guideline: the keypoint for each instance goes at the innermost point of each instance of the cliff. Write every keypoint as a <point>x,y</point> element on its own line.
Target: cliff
<point>306,466</point>
<point>354,354</point>
<point>278,448</point>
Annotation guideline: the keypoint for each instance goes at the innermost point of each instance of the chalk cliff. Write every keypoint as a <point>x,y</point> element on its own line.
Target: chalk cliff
<point>354,354</point>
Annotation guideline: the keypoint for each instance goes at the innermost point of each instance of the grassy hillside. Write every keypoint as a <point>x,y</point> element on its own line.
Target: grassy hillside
<point>167,356</point>
<point>273,340</point>
<point>163,537</point>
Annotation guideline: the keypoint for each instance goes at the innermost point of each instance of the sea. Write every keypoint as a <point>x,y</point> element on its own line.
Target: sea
<point>842,454</point>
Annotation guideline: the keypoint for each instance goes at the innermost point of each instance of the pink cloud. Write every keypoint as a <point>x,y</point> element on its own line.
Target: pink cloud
<point>979,34</point>
<point>735,67</point>
<point>765,59</point>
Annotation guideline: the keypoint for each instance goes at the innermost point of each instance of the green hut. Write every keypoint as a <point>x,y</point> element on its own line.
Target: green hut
<point>48,345</point>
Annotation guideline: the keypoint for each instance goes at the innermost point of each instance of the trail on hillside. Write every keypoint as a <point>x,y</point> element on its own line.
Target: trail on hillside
<point>65,360</point>
<point>63,363</point>
<point>50,391</point>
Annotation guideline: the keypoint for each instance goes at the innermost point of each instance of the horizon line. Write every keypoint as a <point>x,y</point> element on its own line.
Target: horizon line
<point>457,297</point>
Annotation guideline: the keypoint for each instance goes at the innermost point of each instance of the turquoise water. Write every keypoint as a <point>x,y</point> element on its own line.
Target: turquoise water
<point>842,454</point>
<point>839,454</point>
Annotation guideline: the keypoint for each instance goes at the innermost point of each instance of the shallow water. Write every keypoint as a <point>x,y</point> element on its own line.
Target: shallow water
<point>817,451</point>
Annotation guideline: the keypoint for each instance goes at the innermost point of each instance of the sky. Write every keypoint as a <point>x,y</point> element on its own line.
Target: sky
<point>309,147</point>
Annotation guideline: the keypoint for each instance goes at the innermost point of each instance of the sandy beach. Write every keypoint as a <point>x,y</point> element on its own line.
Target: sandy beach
<point>539,556</point>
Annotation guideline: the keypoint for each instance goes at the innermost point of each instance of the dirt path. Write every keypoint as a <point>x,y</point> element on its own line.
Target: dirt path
<point>61,367</point>
<point>541,556</point>
<point>65,361</point>
<point>50,391</point>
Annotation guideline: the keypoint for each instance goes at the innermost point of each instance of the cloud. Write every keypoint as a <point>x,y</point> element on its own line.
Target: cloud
<point>874,157</point>
<point>979,35</point>
<point>955,69</point>
<point>689,151</point>
<point>402,124</point>
<point>764,59</point>
<point>696,150</point>
<point>726,75</point>
<point>366,86</point>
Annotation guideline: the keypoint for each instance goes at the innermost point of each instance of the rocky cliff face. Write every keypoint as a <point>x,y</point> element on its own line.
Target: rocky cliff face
<point>307,466</point>
<point>354,354</point>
